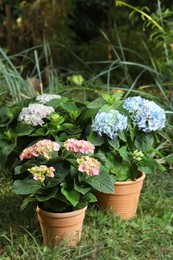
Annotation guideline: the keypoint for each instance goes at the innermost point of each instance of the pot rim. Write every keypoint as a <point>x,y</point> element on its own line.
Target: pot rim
<point>61,214</point>
<point>141,178</point>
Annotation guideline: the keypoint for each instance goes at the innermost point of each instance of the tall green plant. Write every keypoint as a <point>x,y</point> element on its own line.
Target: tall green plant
<point>11,80</point>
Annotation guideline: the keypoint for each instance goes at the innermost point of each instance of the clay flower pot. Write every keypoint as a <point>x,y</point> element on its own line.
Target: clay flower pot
<point>124,201</point>
<point>56,227</point>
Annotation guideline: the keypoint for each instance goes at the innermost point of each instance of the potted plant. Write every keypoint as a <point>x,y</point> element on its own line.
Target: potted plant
<point>54,168</point>
<point>125,133</point>
<point>60,179</point>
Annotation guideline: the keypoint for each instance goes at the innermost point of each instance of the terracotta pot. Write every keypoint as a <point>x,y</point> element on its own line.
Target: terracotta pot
<point>56,227</point>
<point>125,200</point>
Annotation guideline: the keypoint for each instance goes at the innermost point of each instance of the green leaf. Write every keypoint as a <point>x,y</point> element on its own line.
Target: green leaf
<point>28,205</point>
<point>24,129</point>
<point>17,169</point>
<point>97,103</point>
<point>39,132</point>
<point>106,97</point>
<point>151,163</point>
<point>144,142</point>
<point>56,119</point>
<point>25,187</point>
<point>145,169</point>
<point>69,106</point>
<point>71,195</point>
<point>95,139</point>
<point>7,115</point>
<point>88,114</point>
<point>122,171</point>
<point>59,177</point>
<point>82,190</point>
<point>105,108</point>
<point>6,148</point>
<point>102,182</point>
<point>50,194</point>
<point>101,156</point>
<point>67,126</point>
<point>122,136</point>
<point>114,98</point>
<point>132,133</point>
<point>123,153</point>
<point>113,143</point>
<point>89,197</point>
<point>56,102</point>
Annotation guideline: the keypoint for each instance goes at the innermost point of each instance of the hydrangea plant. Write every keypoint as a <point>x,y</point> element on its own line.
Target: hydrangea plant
<point>124,132</point>
<point>47,116</point>
<point>60,177</point>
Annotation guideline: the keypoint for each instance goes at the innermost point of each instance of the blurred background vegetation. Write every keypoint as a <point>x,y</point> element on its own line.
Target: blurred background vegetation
<point>92,46</point>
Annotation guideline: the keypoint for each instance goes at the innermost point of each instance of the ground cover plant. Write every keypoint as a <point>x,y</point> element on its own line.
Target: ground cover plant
<point>148,236</point>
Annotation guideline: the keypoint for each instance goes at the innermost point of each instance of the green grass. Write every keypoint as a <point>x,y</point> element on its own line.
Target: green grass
<point>148,236</point>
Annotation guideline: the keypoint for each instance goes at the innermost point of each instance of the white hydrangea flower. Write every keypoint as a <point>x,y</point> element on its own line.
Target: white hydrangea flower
<point>45,98</point>
<point>34,114</point>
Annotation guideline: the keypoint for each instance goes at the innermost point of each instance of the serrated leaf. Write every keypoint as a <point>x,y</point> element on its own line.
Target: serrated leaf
<point>113,143</point>
<point>152,164</point>
<point>122,136</point>
<point>102,183</point>
<point>97,103</point>
<point>50,194</point>
<point>67,126</point>
<point>72,196</point>
<point>25,187</point>
<point>82,190</point>
<point>123,153</point>
<point>90,198</point>
<point>24,129</point>
<point>105,108</point>
<point>6,148</point>
<point>69,106</point>
<point>28,204</point>
<point>144,142</point>
<point>5,116</point>
<point>89,113</point>
<point>95,139</point>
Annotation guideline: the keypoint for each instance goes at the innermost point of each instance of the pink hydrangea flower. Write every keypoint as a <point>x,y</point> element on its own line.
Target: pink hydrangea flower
<point>88,165</point>
<point>40,172</point>
<point>79,146</point>
<point>43,148</point>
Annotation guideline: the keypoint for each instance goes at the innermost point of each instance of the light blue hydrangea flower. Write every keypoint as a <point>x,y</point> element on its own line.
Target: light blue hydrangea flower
<point>45,98</point>
<point>132,104</point>
<point>109,123</point>
<point>147,114</point>
<point>34,113</point>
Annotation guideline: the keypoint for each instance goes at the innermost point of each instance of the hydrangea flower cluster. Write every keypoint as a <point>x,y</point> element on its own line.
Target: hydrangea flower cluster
<point>34,113</point>
<point>79,146</point>
<point>46,147</point>
<point>133,104</point>
<point>88,165</point>
<point>110,123</point>
<point>45,98</point>
<point>137,155</point>
<point>43,148</point>
<point>147,114</point>
<point>41,172</point>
